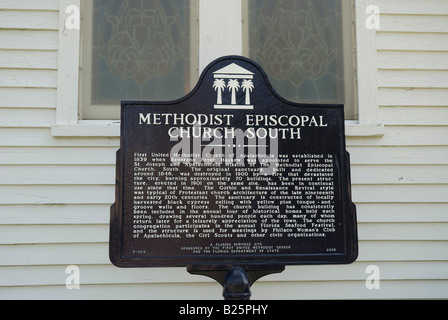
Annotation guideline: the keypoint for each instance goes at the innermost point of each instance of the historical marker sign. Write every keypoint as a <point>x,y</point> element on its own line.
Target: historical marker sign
<point>232,174</point>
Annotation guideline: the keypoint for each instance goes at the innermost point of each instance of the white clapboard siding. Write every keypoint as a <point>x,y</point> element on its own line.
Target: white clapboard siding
<point>58,175</point>
<point>412,41</point>
<point>79,214</point>
<point>40,118</point>
<point>414,23</point>
<point>106,155</point>
<point>49,234</point>
<point>380,175</point>
<point>35,59</point>
<point>402,155</point>
<point>59,214</point>
<point>412,7</point>
<point>352,290</point>
<point>78,194</point>
<point>101,194</point>
<point>108,274</point>
<point>416,97</point>
<point>104,174</point>
<point>97,253</point>
<point>28,78</point>
<point>190,291</point>
<point>402,193</point>
<point>41,137</point>
<point>43,234</point>
<point>56,193</point>
<point>28,98</point>
<point>395,136</point>
<point>42,20</point>
<point>62,155</point>
<point>402,212</point>
<point>260,291</point>
<point>29,40</point>
<point>413,79</point>
<point>417,116</point>
<point>42,5</point>
<point>414,60</point>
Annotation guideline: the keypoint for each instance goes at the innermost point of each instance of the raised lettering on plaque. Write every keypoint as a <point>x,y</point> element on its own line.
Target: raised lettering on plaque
<point>232,173</point>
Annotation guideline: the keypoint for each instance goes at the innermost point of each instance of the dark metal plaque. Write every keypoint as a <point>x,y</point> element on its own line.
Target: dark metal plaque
<point>232,174</point>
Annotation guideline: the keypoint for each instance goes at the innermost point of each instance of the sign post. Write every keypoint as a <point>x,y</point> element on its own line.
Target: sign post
<point>232,181</point>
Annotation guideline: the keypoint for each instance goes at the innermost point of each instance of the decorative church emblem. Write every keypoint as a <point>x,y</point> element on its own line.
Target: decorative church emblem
<point>228,82</point>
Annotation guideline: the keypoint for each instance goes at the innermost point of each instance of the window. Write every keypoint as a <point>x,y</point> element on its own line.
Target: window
<point>141,50</point>
<point>136,50</point>
<point>305,47</point>
<point>211,29</point>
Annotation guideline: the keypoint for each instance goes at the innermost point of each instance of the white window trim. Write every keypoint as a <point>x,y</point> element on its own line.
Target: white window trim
<point>214,42</point>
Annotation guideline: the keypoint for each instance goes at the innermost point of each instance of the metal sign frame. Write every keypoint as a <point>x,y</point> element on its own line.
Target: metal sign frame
<point>234,92</point>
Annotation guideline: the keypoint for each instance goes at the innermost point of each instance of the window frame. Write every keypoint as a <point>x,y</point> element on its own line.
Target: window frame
<point>86,63</point>
<point>350,86</point>
<point>214,42</point>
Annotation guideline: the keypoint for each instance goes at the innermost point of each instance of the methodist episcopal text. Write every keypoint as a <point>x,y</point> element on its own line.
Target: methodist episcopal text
<point>232,174</point>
